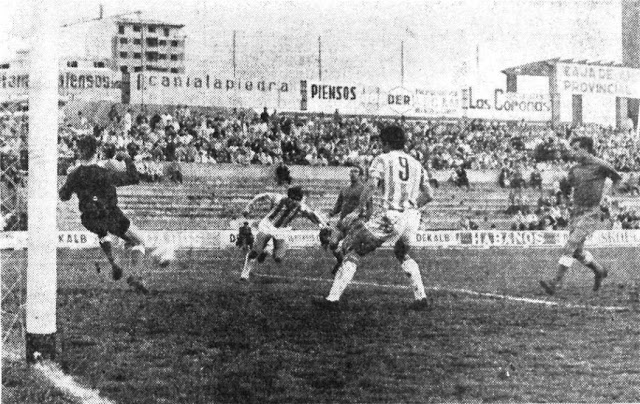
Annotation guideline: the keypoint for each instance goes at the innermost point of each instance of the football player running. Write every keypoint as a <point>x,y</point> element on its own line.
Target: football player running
<point>588,182</point>
<point>95,187</point>
<point>348,200</point>
<point>282,211</point>
<point>404,189</point>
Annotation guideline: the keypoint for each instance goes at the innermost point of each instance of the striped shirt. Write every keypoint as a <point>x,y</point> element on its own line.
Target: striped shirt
<point>402,179</point>
<point>283,210</point>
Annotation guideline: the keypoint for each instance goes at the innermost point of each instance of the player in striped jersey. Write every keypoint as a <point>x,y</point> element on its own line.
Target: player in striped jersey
<point>404,189</point>
<point>283,210</point>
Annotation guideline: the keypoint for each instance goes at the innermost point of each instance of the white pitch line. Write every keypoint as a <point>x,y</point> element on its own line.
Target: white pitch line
<point>68,385</point>
<point>487,295</point>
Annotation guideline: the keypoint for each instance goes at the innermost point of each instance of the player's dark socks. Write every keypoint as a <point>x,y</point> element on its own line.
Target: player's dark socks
<point>116,271</point>
<point>549,287</point>
<point>600,273</point>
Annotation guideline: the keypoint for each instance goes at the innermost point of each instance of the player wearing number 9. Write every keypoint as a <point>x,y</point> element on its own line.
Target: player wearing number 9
<point>404,186</point>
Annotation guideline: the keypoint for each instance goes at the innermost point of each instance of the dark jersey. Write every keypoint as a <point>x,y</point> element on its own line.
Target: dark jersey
<point>348,200</point>
<point>96,186</point>
<point>587,178</point>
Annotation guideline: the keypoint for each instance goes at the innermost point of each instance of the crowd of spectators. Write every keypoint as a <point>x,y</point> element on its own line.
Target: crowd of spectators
<point>245,137</point>
<point>185,135</point>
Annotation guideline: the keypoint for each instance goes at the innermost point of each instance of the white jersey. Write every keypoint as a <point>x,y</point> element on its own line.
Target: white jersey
<point>402,178</point>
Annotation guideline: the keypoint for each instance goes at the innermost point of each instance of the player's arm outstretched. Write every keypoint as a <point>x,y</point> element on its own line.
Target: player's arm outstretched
<point>313,216</point>
<point>130,176</point>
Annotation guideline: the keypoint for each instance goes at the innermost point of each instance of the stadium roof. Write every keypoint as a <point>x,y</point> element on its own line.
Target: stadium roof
<point>544,67</point>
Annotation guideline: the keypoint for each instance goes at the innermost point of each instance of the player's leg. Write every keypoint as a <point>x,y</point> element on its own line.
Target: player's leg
<point>279,250</point>
<point>122,227</point>
<point>98,224</point>
<point>360,241</point>
<point>599,272</point>
<point>578,233</point>
<point>255,255</point>
<point>337,235</point>
<point>407,226</point>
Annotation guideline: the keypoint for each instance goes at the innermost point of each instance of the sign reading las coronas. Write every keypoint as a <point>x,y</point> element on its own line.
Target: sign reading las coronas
<point>350,98</point>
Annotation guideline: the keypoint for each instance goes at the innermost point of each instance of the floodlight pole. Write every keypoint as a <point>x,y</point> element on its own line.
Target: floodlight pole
<point>42,185</point>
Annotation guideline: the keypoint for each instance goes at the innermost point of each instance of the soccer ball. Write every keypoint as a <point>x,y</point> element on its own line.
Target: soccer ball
<point>164,255</point>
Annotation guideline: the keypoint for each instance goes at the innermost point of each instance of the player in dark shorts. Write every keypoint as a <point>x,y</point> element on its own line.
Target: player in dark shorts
<point>347,202</point>
<point>95,187</point>
<point>587,179</point>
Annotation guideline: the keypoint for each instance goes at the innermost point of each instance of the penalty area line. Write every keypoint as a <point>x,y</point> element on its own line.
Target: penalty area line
<point>485,295</point>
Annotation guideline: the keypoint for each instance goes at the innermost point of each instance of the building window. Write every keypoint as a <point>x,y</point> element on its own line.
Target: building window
<point>152,28</point>
<point>174,70</point>
<point>136,41</point>
<point>174,57</point>
<point>136,55</point>
<point>152,56</point>
<point>174,43</point>
<point>162,42</point>
<point>72,63</point>
<point>123,41</point>
<point>137,69</point>
<point>98,64</point>
<point>136,28</point>
<point>123,55</point>
<point>152,41</point>
<point>166,32</point>
<point>5,66</point>
<point>162,56</point>
<point>121,29</point>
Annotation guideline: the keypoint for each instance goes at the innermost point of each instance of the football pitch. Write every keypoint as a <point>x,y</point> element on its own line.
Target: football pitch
<point>201,336</point>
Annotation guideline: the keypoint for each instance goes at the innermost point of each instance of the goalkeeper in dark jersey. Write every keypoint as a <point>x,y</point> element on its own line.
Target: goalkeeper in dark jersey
<point>95,187</point>
<point>282,211</point>
<point>588,179</point>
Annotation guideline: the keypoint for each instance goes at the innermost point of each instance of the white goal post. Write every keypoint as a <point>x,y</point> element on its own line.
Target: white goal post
<point>42,184</point>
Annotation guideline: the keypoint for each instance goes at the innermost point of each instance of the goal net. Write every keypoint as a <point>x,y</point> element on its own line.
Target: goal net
<point>13,209</point>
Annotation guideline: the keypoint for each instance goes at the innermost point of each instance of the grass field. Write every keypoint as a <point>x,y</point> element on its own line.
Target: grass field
<point>203,337</point>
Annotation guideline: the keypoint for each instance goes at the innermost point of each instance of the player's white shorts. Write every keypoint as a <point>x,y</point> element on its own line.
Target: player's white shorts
<point>395,225</point>
<point>267,228</point>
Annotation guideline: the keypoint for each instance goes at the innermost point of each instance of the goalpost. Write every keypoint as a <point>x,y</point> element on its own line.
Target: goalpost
<point>41,285</point>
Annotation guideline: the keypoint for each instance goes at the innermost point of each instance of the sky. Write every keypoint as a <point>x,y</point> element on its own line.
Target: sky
<point>441,42</point>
